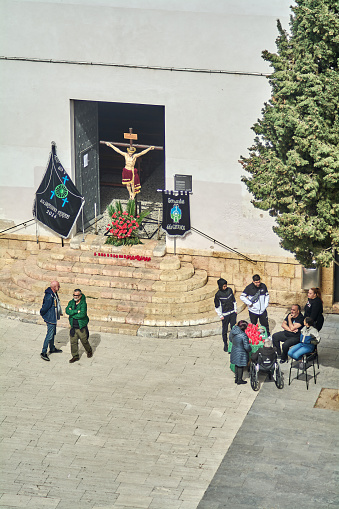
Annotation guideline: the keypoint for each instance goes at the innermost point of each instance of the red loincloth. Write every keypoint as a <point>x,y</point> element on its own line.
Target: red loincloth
<point>127,178</point>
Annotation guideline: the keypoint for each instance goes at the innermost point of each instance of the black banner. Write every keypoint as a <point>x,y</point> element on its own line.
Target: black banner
<point>57,201</point>
<point>176,213</point>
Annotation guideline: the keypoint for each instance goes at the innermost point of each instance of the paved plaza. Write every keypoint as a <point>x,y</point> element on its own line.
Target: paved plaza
<point>146,423</point>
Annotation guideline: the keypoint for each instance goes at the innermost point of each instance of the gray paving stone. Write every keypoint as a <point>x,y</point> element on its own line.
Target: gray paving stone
<point>291,444</point>
<point>85,433</point>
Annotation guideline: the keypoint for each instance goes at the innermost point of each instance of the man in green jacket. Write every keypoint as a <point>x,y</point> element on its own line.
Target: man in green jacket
<point>78,319</point>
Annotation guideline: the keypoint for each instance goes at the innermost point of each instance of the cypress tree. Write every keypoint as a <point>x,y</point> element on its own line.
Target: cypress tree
<point>294,161</point>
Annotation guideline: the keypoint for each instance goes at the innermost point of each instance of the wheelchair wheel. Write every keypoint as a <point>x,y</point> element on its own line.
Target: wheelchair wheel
<point>279,377</point>
<point>254,377</point>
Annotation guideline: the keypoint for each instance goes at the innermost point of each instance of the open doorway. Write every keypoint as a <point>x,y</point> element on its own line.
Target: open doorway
<point>148,122</point>
<point>98,168</point>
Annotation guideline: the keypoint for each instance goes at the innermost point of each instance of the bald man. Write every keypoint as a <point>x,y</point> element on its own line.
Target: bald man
<point>50,312</point>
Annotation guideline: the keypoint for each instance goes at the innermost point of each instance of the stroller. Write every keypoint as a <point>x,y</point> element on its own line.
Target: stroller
<point>266,364</point>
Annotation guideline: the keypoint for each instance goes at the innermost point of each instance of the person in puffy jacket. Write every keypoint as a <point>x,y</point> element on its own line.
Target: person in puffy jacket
<point>226,308</point>
<point>240,350</point>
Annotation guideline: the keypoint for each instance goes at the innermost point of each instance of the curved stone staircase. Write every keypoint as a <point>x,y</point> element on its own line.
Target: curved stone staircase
<point>159,298</point>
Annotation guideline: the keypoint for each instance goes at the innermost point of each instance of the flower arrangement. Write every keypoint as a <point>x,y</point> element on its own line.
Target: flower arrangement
<point>123,229</point>
<point>253,333</point>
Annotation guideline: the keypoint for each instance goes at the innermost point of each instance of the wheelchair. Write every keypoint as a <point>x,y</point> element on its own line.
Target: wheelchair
<point>269,366</point>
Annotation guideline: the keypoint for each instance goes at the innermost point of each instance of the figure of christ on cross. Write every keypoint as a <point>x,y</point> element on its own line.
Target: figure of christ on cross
<point>130,177</point>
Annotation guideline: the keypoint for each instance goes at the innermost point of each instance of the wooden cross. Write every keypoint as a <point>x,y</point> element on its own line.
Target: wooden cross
<point>130,136</point>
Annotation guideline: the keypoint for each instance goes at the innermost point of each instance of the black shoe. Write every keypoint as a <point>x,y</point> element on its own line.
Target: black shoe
<point>241,382</point>
<point>44,356</point>
<point>90,354</point>
<point>55,350</point>
<point>225,348</point>
<point>282,361</point>
<point>73,359</point>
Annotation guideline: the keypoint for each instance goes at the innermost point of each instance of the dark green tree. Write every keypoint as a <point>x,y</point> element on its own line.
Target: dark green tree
<point>294,161</point>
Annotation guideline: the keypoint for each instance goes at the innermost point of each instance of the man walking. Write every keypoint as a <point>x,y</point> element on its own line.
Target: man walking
<point>50,312</point>
<point>256,298</point>
<point>78,319</point>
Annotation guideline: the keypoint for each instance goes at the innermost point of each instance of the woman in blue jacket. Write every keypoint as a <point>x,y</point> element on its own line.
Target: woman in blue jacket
<point>309,337</point>
<point>240,350</point>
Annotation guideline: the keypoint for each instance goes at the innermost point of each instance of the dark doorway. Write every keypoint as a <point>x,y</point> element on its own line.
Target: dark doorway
<point>148,122</point>
<point>98,168</point>
<point>87,158</point>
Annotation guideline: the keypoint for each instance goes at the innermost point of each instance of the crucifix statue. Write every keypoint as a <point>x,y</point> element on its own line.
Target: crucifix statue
<point>130,177</point>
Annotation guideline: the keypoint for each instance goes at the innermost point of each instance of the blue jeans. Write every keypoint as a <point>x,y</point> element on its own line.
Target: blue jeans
<point>297,351</point>
<point>49,339</point>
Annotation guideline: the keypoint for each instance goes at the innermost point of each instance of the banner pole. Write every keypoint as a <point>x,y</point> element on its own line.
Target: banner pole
<point>95,215</point>
<point>83,230</point>
<point>36,220</point>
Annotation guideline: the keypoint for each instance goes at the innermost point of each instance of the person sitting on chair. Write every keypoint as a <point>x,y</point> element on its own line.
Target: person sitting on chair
<point>308,339</point>
<point>290,336</point>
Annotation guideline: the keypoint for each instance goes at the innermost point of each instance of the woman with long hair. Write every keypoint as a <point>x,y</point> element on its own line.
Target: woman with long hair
<point>314,308</point>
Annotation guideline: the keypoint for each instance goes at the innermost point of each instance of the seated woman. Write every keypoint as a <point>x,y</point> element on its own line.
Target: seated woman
<point>240,349</point>
<point>309,337</point>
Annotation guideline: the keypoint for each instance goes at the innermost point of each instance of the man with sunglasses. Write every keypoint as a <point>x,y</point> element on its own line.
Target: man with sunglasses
<point>78,319</point>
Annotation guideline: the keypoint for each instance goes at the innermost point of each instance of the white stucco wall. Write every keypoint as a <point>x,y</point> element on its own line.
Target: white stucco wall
<point>208,116</point>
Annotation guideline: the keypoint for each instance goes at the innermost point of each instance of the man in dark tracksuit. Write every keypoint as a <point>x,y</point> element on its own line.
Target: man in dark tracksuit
<point>226,308</point>
<point>257,298</point>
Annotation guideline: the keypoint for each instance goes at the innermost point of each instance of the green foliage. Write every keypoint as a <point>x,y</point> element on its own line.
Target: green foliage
<point>123,228</point>
<point>294,161</point>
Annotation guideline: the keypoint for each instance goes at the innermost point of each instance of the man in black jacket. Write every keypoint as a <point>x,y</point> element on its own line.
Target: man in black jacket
<point>226,308</point>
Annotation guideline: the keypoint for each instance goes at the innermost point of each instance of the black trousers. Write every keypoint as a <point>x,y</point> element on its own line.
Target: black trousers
<point>263,319</point>
<point>282,337</point>
<point>238,371</point>
<point>228,319</point>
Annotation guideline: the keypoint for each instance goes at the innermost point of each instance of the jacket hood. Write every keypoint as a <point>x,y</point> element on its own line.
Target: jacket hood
<point>49,290</point>
<point>221,282</point>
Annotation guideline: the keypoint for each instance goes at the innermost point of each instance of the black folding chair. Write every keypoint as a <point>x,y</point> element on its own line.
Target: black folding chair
<point>308,361</point>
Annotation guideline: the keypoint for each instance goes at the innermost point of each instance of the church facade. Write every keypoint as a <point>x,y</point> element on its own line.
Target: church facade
<point>191,70</point>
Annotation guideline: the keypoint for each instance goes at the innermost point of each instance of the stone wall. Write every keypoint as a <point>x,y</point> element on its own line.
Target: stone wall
<point>282,275</point>
<point>20,246</point>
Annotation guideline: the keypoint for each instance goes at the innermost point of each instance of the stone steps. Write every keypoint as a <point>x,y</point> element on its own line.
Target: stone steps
<point>123,295</point>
